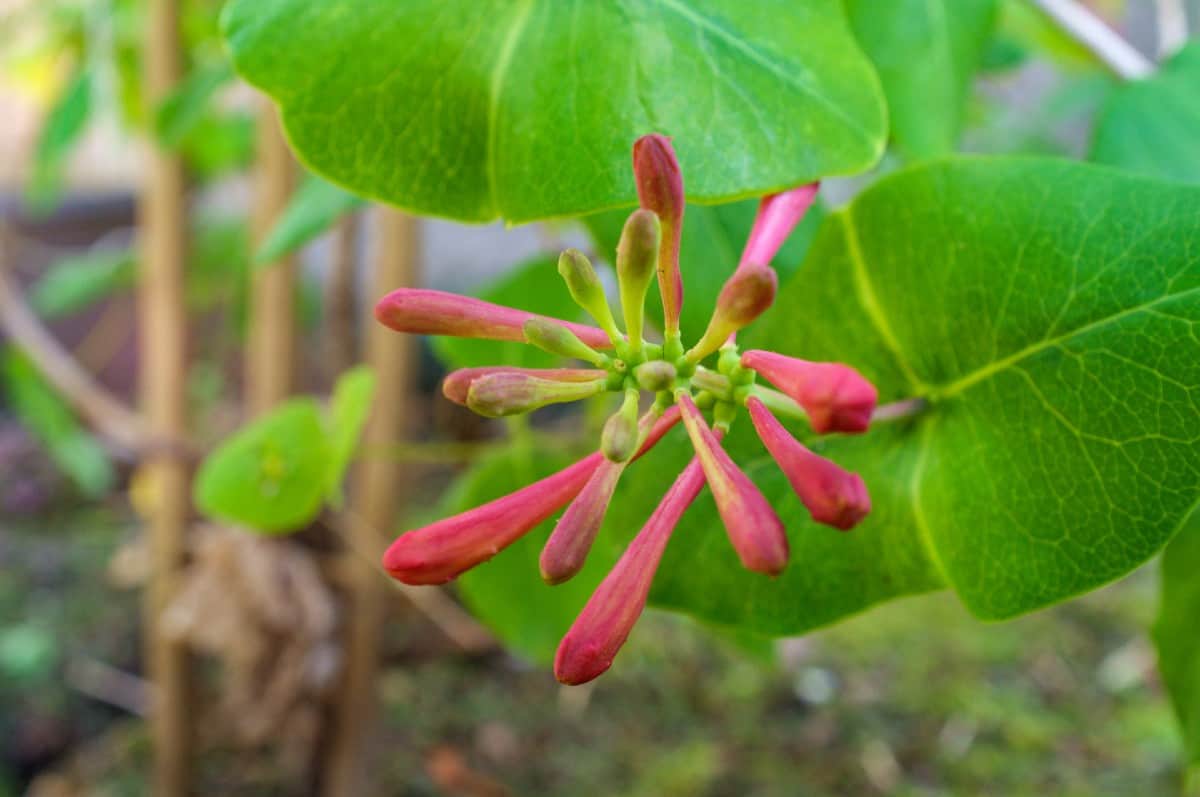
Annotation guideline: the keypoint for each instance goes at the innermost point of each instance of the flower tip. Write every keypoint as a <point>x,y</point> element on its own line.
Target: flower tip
<point>748,294</point>
<point>406,561</point>
<point>848,503</point>
<point>577,663</point>
<point>836,397</point>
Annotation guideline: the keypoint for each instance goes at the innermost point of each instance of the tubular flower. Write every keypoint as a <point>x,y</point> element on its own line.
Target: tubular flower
<point>679,382</point>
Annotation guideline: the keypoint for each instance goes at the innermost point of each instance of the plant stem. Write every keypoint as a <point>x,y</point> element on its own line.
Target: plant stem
<point>1082,24</point>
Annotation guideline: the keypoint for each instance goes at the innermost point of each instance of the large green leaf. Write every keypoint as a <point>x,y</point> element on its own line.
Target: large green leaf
<point>1152,126</point>
<point>926,52</point>
<point>523,109</point>
<point>270,476</point>
<point>1177,632</point>
<point>1049,312</point>
<point>713,237</point>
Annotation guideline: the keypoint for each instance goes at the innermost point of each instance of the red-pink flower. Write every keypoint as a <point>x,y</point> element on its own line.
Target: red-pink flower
<point>604,624</point>
<point>833,496</point>
<point>778,215</point>
<point>678,380</point>
<point>420,311</point>
<point>754,529</point>
<point>836,397</point>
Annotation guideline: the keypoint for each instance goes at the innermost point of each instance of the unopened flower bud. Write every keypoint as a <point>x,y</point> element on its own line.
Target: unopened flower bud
<point>427,312</point>
<point>744,297</point>
<point>457,383</point>
<point>778,215</point>
<point>619,439</point>
<point>512,393</point>
<point>833,496</point>
<point>637,256</point>
<point>555,338</point>
<point>604,624</point>
<point>836,397</point>
<point>586,289</point>
<point>655,375</point>
<point>660,189</point>
<point>754,529</point>
<point>566,551</point>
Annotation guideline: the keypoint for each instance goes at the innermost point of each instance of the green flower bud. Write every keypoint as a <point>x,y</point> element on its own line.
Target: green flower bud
<point>637,261</point>
<point>744,297</point>
<point>587,290</point>
<point>619,439</point>
<point>655,375</point>
<point>512,393</point>
<point>557,339</point>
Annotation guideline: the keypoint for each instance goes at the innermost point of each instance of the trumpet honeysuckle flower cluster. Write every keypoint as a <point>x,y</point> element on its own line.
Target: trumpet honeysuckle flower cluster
<point>659,384</point>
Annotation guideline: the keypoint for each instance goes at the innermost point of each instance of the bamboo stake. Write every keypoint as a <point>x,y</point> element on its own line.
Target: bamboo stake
<point>271,350</point>
<point>375,500</point>
<point>163,344</point>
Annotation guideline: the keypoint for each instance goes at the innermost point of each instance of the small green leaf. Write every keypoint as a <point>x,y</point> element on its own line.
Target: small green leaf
<point>78,281</point>
<point>534,286</point>
<point>477,110</point>
<point>272,474</point>
<point>1152,126</point>
<point>348,413</point>
<point>1177,632</point>
<point>927,53</point>
<point>314,208</point>
<point>176,118</point>
<point>51,420</point>
<point>62,127</point>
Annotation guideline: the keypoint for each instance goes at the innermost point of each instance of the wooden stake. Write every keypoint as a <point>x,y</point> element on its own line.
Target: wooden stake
<point>270,366</point>
<point>163,343</point>
<point>375,500</point>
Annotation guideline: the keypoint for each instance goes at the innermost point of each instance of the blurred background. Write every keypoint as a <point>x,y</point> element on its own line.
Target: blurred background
<point>275,689</point>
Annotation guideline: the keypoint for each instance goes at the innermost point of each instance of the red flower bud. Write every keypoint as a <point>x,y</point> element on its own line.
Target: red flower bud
<point>604,624</point>
<point>833,496</point>
<point>576,530</point>
<point>457,383</point>
<point>440,551</point>
<point>778,215</point>
<point>836,397</point>
<point>660,189</point>
<point>427,312</point>
<point>754,529</point>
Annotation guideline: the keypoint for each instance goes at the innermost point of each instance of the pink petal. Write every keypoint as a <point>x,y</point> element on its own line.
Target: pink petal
<point>660,189</point>
<point>778,215</point>
<point>604,624</point>
<point>754,529</point>
<point>427,312</point>
<point>457,383</point>
<point>836,397</point>
<point>834,496</point>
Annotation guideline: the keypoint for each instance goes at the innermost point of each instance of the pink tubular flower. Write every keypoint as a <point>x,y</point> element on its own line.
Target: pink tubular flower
<point>457,383</point>
<point>778,215</point>
<point>660,189</point>
<point>441,551</point>
<point>833,496</point>
<point>604,624</point>
<point>754,529</point>
<point>437,553</point>
<point>427,312</point>
<point>576,530</point>
<point>658,382</point>
<point>836,397</point>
